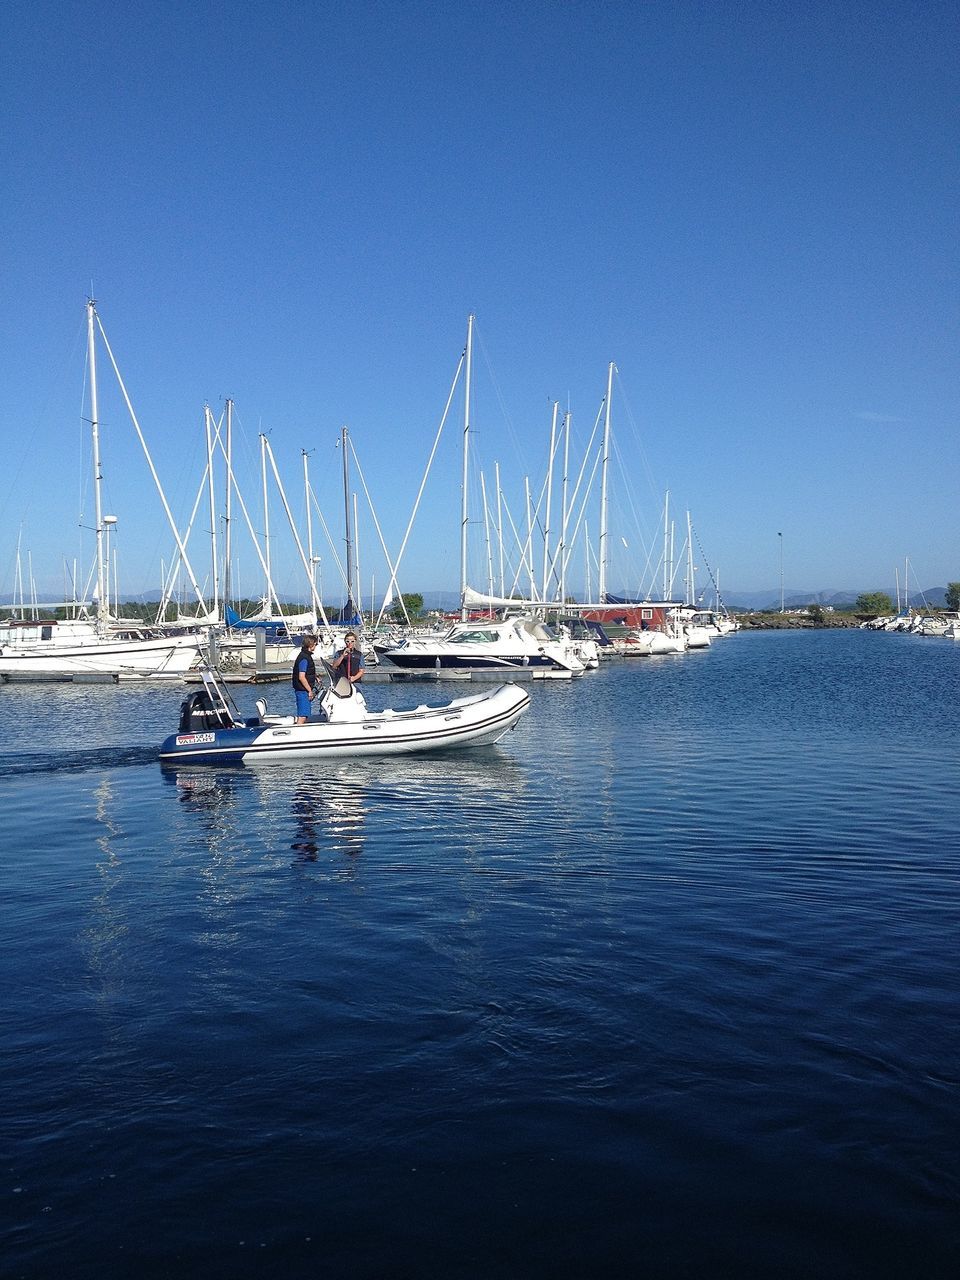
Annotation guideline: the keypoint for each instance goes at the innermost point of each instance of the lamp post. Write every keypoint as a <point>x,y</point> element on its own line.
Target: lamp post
<point>109,522</point>
<point>780,536</point>
<point>315,562</point>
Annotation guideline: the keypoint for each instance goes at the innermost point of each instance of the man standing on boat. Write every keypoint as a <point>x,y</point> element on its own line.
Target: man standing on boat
<point>304,677</point>
<point>349,661</point>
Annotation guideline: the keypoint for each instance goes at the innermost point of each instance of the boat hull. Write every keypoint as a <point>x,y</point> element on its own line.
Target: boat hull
<point>476,721</point>
<point>105,657</point>
<point>431,660</point>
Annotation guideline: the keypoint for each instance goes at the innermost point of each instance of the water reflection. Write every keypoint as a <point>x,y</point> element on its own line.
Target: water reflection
<point>213,796</point>
<point>107,931</point>
<point>318,809</point>
<point>325,814</point>
<point>334,805</point>
<point>204,789</point>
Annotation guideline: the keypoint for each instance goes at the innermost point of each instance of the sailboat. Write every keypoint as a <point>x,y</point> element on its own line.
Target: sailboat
<point>519,641</point>
<point>50,648</point>
<point>282,631</point>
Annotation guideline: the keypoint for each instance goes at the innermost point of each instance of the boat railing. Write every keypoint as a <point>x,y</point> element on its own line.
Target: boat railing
<point>223,704</point>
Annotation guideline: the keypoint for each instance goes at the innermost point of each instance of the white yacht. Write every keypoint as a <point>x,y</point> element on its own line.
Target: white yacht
<point>47,648</point>
<point>516,642</point>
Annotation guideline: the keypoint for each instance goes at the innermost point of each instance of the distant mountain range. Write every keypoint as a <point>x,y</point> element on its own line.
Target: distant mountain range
<point>931,598</point>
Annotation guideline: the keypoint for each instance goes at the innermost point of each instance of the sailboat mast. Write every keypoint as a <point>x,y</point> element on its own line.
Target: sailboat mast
<point>691,590</point>
<point>358,603</point>
<point>529,546</point>
<point>207,422</point>
<point>602,583</point>
<point>673,538</point>
<point>546,523</point>
<point>464,509</point>
<point>227,549</point>
<point>266,518</point>
<point>306,495</point>
<point>346,516</point>
<point>496,474</point>
<point>563,509</point>
<point>486,533</point>
<point>588,589</point>
<point>666,542</point>
<point>102,607</point>
<point>18,580</point>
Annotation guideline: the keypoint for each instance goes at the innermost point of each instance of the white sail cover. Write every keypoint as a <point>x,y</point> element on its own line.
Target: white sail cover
<point>211,619</point>
<point>476,600</point>
<point>288,620</point>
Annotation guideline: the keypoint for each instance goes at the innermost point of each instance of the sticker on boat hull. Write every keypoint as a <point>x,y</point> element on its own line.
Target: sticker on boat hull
<point>192,739</point>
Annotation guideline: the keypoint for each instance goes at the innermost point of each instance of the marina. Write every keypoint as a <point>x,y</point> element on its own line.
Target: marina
<point>664,983</point>
<point>478,602</point>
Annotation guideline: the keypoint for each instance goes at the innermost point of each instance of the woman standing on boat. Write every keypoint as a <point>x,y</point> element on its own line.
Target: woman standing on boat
<point>304,678</point>
<point>349,661</point>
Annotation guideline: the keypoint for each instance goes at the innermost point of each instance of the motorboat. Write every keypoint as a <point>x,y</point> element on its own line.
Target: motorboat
<point>519,641</point>
<point>212,731</point>
<point>652,641</point>
<point>688,624</point>
<point>713,622</point>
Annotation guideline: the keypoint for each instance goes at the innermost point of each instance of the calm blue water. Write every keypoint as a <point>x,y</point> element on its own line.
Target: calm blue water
<point>664,985</point>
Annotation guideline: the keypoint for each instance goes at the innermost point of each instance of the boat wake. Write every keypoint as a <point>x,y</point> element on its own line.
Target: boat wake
<point>25,763</point>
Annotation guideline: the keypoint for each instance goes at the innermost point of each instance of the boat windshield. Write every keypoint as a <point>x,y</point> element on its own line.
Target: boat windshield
<point>474,637</point>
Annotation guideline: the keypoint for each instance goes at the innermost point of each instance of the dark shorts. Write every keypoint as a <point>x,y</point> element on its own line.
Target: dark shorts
<point>303,702</point>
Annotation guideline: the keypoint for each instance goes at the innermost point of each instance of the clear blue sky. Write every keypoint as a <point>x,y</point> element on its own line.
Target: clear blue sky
<point>751,208</point>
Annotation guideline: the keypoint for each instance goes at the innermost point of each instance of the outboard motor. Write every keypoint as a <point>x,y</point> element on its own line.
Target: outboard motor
<point>197,713</point>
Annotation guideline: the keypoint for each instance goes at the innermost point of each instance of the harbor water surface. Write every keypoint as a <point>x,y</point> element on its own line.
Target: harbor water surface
<point>663,985</point>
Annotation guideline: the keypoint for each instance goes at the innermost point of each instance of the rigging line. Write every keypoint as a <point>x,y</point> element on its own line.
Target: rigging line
<point>648,472</point>
<point>562,546</point>
<point>331,541</point>
<point>423,482</point>
<point>527,549</point>
<point>153,471</point>
<point>707,564</point>
<point>243,445</point>
<point>376,522</point>
<point>232,479</point>
<point>293,527</point>
<point>507,551</point>
<point>170,580</point>
<point>522,566</point>
<point>84,469</point>
<point>646,544</point>
<point>568,552</point>
<point>511,430</point>
<point>630,496</point>
<point>490,513</point>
